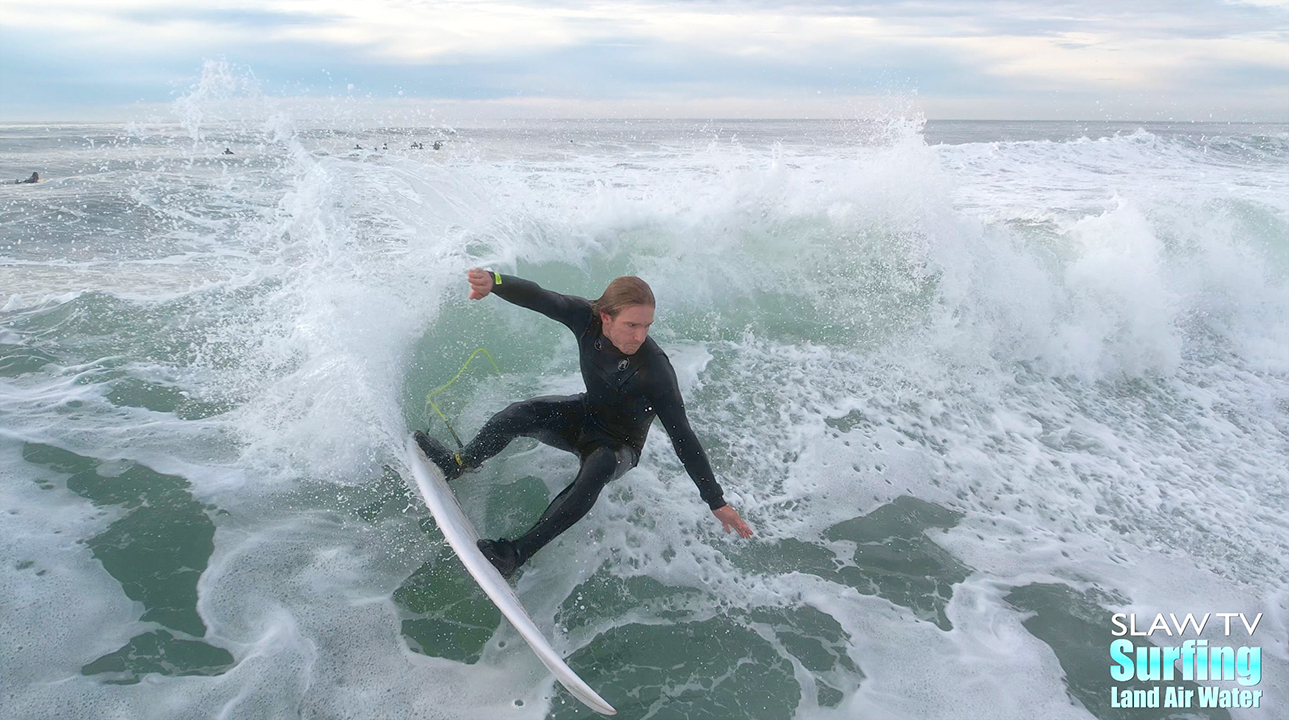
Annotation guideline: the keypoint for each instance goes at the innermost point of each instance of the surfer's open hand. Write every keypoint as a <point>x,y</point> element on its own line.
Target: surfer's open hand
<point>730,519</point>
<point>480,283</point>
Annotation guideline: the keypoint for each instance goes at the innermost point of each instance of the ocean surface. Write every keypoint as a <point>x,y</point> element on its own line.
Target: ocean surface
<point>977,386</point>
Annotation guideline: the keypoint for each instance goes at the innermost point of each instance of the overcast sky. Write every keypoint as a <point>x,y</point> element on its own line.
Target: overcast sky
<point>974,59</point>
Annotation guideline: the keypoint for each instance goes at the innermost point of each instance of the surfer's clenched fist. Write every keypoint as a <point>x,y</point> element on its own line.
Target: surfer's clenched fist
<point>480,283</point>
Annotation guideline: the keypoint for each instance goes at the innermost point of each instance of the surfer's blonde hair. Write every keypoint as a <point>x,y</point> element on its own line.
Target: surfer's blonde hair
<point>624,292</point>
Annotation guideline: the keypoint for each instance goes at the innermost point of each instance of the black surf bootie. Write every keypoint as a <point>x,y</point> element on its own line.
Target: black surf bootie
<point>446,460</point>
<point>502,554</point>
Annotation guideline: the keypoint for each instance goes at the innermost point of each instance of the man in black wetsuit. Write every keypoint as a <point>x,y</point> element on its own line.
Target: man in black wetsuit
<point>629,381</point>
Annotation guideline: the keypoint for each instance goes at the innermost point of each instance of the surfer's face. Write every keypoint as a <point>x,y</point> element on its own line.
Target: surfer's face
<point>629,329</point>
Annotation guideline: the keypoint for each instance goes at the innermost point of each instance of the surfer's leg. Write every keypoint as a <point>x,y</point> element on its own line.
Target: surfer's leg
<point>572,504</point>
<point>554,420</point>
<point>599,466</point>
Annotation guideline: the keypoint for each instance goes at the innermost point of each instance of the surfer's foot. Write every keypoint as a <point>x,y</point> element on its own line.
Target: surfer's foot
<point>502,554</point>
<point>446,460</point>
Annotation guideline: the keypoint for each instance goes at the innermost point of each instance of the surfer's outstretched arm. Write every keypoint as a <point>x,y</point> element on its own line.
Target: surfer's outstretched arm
<point>671,410</point>
<point>572,311</point>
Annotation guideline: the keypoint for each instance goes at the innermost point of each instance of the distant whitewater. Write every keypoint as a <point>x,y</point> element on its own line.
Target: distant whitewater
<point>977,387</point>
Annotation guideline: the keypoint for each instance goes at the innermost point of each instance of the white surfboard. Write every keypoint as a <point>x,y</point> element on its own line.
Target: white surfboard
<point>462,536</point>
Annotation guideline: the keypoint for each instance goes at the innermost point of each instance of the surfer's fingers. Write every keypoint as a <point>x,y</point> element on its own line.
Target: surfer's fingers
<point>738,526</point>
<point>742,527</point>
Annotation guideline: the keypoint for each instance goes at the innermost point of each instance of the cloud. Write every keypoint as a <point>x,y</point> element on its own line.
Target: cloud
<point>625,49</point>
<point>243,18</point>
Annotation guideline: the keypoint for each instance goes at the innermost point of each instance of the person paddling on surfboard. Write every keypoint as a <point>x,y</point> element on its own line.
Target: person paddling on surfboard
<point>629,381</point>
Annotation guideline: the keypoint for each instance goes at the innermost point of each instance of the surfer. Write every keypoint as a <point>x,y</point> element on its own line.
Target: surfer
<point>629,381</point>
<point>35,178</point>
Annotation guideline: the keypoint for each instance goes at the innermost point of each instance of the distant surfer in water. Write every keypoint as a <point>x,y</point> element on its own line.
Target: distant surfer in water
<point>629,381</point>
<point>35,178</point>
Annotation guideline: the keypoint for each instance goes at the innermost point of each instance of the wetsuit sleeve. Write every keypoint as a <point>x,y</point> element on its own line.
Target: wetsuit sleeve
<point>671,411</point>
<point>574,312</point>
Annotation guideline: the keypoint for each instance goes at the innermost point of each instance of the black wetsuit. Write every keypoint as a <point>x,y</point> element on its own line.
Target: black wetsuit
<point>606,426</point>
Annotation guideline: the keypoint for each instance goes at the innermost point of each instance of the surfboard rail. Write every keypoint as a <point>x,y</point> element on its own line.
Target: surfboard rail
<point>462,537</point>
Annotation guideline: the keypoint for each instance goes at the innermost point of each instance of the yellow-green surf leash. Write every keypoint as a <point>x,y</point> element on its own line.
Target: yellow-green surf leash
<point>429,399</point>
